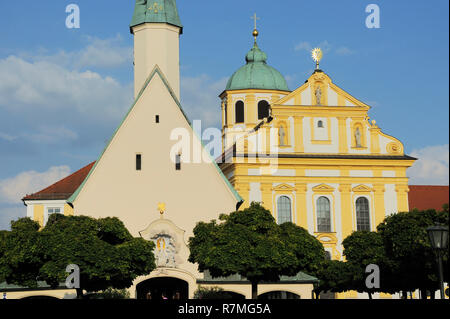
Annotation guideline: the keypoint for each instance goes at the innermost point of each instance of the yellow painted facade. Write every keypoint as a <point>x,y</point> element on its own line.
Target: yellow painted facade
<point>319,154</point>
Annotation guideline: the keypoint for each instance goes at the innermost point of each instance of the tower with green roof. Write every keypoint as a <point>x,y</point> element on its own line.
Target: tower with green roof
<point>249,93</point>
<point>156,27</point>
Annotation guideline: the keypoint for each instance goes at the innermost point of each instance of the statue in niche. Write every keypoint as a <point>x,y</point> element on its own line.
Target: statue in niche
<point>358,137</point>
<point>282,135</point>
<point>318,95</point>
<point>164,251</point>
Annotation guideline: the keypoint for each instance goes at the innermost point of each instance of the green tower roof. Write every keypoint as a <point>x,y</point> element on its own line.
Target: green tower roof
<point>256,74</point>
<point>156,11</point>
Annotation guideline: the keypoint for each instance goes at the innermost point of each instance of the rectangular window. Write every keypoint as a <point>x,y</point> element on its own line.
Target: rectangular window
<point>50,211</point>
<point>157,118</point>
<point>178,163</point>
<point>53,211</point>
<point>138,162</point>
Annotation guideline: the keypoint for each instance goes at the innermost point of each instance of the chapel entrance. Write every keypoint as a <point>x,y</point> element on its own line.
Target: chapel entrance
<point>163,288</point>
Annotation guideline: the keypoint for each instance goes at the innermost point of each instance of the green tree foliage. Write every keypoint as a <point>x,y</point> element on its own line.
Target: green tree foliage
<point>21,253</point>
<point>408,247</point>
<point>250,243</point>
<point>361,249</point>
<point>334,276</point>
<point>212,293</point>
<point>110,293</point>
<point>106,253</point>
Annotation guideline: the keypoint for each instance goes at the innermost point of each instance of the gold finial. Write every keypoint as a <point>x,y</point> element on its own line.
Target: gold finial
<point>317,56</point>
<point>161,208</point>
<point>255,30</point>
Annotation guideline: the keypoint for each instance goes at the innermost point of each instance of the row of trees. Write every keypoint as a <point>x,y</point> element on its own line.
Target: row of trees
<point>106,253</point>
<point>401,249</point>
<point>249,243</point>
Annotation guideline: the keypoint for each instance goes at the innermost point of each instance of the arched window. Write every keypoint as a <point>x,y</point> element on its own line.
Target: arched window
<point>263,109</point>
<point>320,124</point>
<point>323,215</point>
<point>239,107</point>
<point>362,214</point>
<point>284,210</point>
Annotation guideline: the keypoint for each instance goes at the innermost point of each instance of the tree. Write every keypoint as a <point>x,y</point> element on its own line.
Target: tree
<point>251,244</point>
<point>361,249</point>
<point>106,253</point>
<point>334,276</point>
<point>21,253</point>
<point>407,245</point>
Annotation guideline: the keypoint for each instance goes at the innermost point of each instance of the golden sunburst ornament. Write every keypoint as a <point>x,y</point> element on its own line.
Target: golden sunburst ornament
<point>317,55</point>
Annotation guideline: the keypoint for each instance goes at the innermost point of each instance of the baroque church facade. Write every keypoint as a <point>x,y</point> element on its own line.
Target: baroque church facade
<point>311,156</point>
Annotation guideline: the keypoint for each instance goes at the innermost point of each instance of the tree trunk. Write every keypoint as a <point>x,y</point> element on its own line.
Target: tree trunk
<point>423,293</point>
<point>370,295</point>
<point>79,293</point>
<point>254,290</point>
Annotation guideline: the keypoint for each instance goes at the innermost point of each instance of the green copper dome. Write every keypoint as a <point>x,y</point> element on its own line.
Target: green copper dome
<point>156,11</point>
<point>256,74</point>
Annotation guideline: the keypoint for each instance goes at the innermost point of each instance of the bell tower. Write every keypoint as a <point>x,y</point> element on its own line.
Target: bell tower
<point>156,27</point>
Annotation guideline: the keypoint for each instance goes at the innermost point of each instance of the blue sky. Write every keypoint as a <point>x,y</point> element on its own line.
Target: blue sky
<point>64,91</point>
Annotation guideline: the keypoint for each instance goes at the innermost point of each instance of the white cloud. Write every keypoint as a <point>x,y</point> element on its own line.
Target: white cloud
<point>13,189</point>
<point>199,98</point>
<point>26,86</point>
<point>9,213</point>
<point>98,53</point>
<point>7,137</point>
<point>303,46</point>
<point>306,46</point>
<point>432,166</point>
<point>344,51</point>
<point>326,48</point>
<point>52,134</point>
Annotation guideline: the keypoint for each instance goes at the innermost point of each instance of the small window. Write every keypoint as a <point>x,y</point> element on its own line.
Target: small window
<point>178,162</point>
<point>53,211</point>
<point>138,162</point>
<point>239,112</point>
<point>157,118</point>
<point>263,110</point>
<point>320,124</point>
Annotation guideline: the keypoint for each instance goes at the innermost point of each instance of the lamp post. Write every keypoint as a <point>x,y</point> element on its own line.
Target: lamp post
<point>439,241</point>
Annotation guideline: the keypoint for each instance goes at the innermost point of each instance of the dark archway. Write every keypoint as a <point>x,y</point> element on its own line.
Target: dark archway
<point>278,295</point>
<point>162,288</point>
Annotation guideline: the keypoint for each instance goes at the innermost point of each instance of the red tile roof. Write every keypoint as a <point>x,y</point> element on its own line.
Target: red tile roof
<point>425,197</point>
<point>64,188</point>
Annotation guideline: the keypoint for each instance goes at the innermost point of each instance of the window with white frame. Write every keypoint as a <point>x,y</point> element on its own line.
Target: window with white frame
<point>51,211</point>
<point>362,214</point>
<point>284,210</point>
<point>323,215</point>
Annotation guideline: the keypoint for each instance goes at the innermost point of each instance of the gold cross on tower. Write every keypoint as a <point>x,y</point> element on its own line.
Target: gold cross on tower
<point>255,31</point>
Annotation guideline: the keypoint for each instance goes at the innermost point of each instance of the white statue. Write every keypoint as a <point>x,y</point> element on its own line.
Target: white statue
<point>318,95</point>
<point>358,137</point>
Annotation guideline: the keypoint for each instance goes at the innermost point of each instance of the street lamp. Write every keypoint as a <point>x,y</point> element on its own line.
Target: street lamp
<point>439,241</point>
